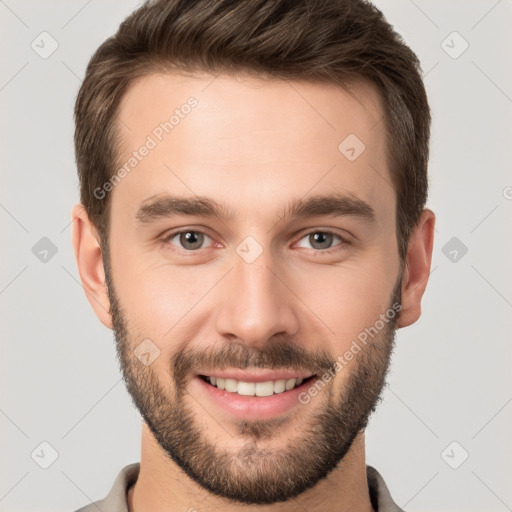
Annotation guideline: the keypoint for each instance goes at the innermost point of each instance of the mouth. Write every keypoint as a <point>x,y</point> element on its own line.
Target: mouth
<point>253,393</point>
<point>259,388</point>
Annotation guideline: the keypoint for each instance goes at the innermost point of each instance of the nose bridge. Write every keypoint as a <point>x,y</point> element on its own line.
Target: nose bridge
<point>257,304</point>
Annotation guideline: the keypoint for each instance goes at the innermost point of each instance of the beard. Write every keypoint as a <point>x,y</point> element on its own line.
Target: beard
<point>255,474</point>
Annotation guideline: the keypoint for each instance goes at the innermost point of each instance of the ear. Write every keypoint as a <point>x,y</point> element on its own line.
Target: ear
<point>86,244</point>
<point>417,270</point>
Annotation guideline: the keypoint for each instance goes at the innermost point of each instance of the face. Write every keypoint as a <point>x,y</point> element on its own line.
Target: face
<point>251,251</point>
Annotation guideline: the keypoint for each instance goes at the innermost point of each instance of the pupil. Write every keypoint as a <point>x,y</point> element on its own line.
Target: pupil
<point>321,238</point>
<point>191,238</point>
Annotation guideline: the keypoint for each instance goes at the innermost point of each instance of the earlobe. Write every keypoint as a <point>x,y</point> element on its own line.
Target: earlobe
<point>417,271</point>
<point>89,258</point>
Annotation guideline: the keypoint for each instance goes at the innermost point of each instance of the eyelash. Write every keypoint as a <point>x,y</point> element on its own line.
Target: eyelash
<point>344,241</point>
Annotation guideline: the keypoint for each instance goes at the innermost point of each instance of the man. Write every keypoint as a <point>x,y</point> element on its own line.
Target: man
<point>252,227</point>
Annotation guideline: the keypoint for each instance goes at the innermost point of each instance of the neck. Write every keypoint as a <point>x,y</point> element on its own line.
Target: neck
<point>162,483</point>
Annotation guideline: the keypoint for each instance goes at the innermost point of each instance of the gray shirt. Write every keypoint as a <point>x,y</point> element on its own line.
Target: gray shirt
<point>116,500</point>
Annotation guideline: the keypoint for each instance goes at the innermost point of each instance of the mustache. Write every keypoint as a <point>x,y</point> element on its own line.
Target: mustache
<point>277,354</point>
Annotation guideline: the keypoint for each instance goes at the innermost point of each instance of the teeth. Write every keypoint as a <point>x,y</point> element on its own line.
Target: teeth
<point>279,386</point>
<point>290,384</point>
<point>267,388</point>
<point>246,388</point>
<point>264,388</point>
<point>230,385</point>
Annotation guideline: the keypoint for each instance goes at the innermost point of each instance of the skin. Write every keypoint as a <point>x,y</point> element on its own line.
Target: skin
<point>241,148</point>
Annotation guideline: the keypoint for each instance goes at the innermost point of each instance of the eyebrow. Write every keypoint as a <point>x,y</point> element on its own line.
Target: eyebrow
<point>335,204</point>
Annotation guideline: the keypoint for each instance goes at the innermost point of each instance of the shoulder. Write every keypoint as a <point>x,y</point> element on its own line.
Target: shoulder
<point>379,493</point>
<point>116,500</point>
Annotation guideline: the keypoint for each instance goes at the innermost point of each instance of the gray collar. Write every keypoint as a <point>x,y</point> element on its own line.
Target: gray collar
<point>116,500</point>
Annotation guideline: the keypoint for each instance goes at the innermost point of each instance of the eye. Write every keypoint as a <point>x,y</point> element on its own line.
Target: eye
<point>322,240</point>
<point>188,239</point>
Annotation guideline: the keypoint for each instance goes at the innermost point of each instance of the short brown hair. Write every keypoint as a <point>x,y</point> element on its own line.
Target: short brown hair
<point>331,41</point>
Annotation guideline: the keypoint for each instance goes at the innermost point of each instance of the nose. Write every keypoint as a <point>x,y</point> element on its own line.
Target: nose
<point>257,303</point>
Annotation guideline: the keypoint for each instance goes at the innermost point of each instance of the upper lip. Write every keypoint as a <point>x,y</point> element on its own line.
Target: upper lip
<point>257,374</point>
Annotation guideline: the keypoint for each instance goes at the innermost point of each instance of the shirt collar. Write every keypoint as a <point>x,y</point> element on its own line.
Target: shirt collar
<point>116,500</point>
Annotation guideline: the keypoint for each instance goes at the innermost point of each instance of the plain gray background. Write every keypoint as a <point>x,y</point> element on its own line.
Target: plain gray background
<point>450,377</point>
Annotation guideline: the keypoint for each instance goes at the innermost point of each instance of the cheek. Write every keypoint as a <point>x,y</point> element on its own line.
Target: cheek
<point>343,301</point>
<point>162,301</point>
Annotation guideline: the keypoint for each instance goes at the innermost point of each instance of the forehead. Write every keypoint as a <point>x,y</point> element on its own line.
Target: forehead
<point>233,134</point>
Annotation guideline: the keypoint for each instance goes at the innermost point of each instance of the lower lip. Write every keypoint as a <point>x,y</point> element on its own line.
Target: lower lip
<point>252,407</point>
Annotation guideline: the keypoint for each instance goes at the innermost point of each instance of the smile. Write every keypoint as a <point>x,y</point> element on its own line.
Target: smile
<point>260,389</point>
